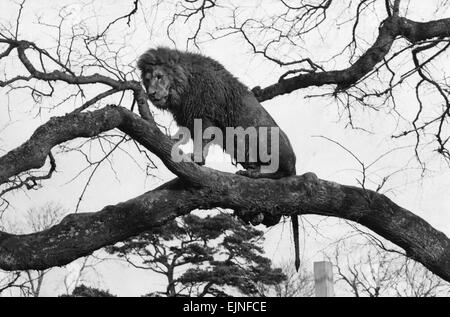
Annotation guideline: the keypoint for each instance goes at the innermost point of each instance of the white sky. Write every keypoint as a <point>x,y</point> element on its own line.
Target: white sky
<point>301,118</point>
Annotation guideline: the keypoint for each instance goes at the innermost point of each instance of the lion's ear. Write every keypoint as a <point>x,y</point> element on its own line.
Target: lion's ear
<point>151,57</point>
<point>173,58</point>
<point>146,59</point>
<point>180,73</point>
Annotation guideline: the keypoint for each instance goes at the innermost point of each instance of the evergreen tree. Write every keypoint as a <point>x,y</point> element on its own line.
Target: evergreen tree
<point>216,255</point>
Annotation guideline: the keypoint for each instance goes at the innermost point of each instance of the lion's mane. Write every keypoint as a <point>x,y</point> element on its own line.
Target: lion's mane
<point>201,87</point>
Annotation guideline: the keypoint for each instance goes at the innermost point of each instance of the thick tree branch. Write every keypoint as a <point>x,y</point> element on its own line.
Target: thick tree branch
<point>80,234</point>
<point>200,188</point>
<point>32,153</point>
<point>390,29</point>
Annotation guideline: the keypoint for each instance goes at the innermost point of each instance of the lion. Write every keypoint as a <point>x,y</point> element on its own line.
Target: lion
<point>192,86</point>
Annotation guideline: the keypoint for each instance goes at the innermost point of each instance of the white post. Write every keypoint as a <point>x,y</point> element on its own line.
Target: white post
<point>323,279</point>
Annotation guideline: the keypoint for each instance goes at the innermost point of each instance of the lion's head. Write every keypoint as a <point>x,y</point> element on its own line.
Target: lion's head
<point>157,82</point>
<point>163,77</point>
<point>191,86</point>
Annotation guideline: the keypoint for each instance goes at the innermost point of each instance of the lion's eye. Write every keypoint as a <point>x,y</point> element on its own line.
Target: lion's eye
<point>159,76</point>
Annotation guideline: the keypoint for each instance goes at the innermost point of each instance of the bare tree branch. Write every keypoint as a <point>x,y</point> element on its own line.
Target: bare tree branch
<point>390,29</point>
<point>198,188</point>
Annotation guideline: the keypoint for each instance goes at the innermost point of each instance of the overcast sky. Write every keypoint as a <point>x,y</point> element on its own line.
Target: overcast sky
<point>301,118</point>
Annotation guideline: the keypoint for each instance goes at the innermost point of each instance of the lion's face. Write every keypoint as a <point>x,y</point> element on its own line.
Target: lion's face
<point>157,82</point>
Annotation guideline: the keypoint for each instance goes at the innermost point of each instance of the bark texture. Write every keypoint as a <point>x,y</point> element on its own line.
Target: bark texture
<point>197,188</point>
